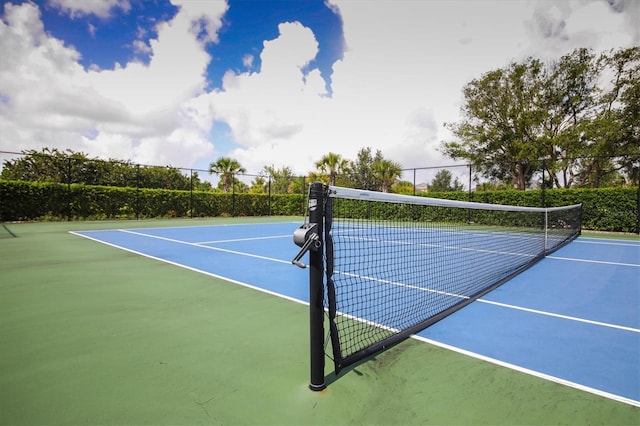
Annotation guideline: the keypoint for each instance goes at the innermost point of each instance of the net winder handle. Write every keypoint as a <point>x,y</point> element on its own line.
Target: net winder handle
<point>307,238</point>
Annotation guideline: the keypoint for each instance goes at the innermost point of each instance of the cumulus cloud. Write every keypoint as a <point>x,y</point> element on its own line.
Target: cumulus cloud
<point>204,17</point>
<point>99,8</point>
<point>400,78</point>
<point>560,27</point>
<point>140,112</point>
<point>391,91</point>
<point>271,112</point>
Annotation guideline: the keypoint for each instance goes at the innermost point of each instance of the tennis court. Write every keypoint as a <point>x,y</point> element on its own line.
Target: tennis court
<point>161,323</point>
<point>574,318</point>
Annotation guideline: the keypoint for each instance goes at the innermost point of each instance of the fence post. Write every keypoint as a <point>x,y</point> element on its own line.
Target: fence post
<point>269,194</point>
<point>469,196</point>
<point>470,181</point>
<point>137,191</point>
<point>68,188</point>
<point>304,192</point>
<point>414,181</point>
<point>544,166</point>
<point>638,209</point>
<point>233,195</point>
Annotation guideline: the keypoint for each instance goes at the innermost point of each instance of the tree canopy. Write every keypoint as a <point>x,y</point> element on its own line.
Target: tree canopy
<point>226,168</point>
<point>331,165</point>
<point>567,118</point>
<point>444,181</point>
<point>367,171</point>
<point>53,165</point>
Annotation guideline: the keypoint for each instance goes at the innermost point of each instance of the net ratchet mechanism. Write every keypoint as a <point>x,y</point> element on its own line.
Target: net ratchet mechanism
<point>306,237</point>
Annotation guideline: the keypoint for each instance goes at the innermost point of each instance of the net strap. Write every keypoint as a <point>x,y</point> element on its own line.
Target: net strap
<point>331,289</point>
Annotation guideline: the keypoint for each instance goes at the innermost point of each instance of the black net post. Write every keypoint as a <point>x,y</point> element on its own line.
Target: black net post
<point>316,290</point>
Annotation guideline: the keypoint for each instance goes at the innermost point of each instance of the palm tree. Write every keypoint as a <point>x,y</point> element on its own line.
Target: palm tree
<point>316,177</point>
<point>386,172</point>
<point>226,167</point>
<point>332,164</point>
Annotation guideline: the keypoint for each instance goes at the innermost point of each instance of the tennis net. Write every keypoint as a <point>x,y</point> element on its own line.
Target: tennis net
<point>392,264</point>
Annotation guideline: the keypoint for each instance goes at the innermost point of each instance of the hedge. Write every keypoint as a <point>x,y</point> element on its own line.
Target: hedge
<point>20,201</point>
<point>604,209</point>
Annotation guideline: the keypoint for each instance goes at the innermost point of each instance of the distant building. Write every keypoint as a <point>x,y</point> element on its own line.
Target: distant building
<point>422,187</point>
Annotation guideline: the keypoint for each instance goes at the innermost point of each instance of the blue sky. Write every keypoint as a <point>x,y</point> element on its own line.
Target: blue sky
<point>104,42</point>
<point>270,83</point>
<point>101,40</point>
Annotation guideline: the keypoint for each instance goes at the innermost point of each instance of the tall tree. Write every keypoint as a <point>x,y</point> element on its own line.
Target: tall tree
<point>501,123</point>
<point>577,117</point>
<point>569,97</point>
<point>360,173</point>
<point>52,165</point>
<point>443,181</point>
<point>258,185</point>
<point>280,178</point>
<point>386,172</point>
<point>615,131</point>
<point>403,187</point>
<point>226,168</point>
<point>332,164</point>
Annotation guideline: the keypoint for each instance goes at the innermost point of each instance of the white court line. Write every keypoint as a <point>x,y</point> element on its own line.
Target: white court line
<point>602,262</point>
<point>551,314</point>
<point>530,372</point>
<point>280,295</point>
<point>218,225</point>
<point>608,242</point>
<point>205,247</point>
<point>401,284</point>
<point>245,239</point>
<point>429,341</point>
<point>504,305</point>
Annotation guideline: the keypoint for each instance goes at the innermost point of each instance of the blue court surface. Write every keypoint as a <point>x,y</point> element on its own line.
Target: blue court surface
<point>573,318</point>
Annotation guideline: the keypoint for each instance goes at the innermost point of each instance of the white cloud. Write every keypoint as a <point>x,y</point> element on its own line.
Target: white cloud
<point>205,17</point>
<point>141,47</point>
<point>397,84</point>
<point>247,61</point>
<point>100,8</point>
<point>558,28</point>
<point>400,79</point>
<point>140,112</point>
<point>271,112</point>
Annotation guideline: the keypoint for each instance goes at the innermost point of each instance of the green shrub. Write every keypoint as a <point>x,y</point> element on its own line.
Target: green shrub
<point>604,209</point>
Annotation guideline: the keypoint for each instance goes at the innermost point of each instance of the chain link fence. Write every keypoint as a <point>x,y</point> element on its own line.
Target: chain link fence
<point>79,188</point>
<point>60,186</point>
